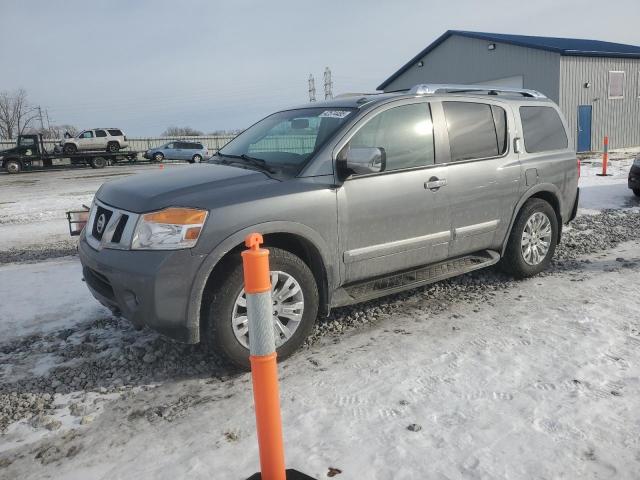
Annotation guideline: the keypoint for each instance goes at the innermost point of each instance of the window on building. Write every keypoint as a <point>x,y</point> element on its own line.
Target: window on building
<point>543,130</point>
<point>405,133</point>
<point>476,130</point>
<point>616,84</point>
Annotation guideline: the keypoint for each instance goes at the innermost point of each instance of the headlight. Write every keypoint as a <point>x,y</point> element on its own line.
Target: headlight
<point>169,229</point>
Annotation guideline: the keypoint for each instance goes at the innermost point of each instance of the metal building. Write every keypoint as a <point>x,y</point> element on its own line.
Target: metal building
<point>596,84</point>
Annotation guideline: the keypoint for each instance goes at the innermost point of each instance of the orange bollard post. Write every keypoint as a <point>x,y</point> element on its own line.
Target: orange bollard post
<point>161,166</point>
<point>605,158</point>
<point>264,367</point>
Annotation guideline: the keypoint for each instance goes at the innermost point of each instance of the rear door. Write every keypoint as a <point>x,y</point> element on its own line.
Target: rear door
<point>484,174</point>
<point>100,140</point>
<point>392,220</point>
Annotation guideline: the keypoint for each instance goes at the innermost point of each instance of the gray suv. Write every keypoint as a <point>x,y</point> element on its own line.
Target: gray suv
<point>358,197</point>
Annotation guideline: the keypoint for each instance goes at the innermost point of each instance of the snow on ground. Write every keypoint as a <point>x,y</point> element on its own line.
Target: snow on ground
<point>537,383</point>
<point>530,379</point>
<point>44,296</point>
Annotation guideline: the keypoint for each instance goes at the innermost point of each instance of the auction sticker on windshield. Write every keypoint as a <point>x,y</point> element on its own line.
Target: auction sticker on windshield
<point>334,113</point>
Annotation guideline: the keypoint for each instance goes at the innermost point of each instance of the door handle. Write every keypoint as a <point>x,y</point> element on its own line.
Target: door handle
<point>435,183</point>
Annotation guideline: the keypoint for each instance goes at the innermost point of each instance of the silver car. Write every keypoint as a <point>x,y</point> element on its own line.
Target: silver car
<point>97,139</point>
<point>192,152</point>
<point>357,197</point>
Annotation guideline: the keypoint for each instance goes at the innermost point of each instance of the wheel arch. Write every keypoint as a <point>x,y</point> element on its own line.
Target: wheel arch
<point>295,238</point>
<point>546,192</point>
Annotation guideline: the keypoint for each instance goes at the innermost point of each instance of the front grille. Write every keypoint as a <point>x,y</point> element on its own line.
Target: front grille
<point>117,233</point>
<point>101,221</point>
<point>98,282</point>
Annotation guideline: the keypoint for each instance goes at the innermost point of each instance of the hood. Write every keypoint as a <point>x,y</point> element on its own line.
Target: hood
<point>190,186</point>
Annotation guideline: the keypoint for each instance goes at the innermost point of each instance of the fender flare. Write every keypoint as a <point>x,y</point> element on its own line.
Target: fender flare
<point>540,187</point>
<point>232,241</point>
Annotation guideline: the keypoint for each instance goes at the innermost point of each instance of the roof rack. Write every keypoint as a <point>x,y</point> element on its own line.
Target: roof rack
<point>433,88</point>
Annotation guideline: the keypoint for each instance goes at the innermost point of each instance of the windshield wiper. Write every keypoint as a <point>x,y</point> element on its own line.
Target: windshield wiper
<point>256,162</point>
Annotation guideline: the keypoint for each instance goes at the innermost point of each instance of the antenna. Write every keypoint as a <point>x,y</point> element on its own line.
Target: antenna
<point>312,88</point>
<point>328,84</point>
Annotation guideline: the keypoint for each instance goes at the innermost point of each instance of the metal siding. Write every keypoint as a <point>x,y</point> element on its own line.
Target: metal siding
<point>468,60</point>
<point>617,118</point>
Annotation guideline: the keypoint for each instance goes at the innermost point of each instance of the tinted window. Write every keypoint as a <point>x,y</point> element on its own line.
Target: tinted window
<point>405,133</point>
<point>101,133</point>
<point>115,133</point>
<point>170,145</point>
<point>472,131</point>
<point>181,145</point>
<point>543,130</point>
<point>198,146</point>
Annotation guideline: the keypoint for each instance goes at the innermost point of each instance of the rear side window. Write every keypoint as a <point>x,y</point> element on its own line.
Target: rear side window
<point>474,129</point>
<point>115,133</point>
<point>405,133</point>
<point>543,130</point>
<point>101,133</point>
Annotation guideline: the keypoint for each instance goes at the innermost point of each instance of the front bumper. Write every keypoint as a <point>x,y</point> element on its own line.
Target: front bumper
<point>149,288</point>
<point>634,178</point>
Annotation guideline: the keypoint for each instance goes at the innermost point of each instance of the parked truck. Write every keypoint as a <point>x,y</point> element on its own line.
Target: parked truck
<point>30,152</point>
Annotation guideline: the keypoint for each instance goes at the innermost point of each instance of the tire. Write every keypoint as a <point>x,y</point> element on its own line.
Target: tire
<point>196,159</point>
<point>515,260</point>
<point>158,157</point>
<point>98,162</point>
<point>69,149</point>
<point>220,303</point>
<point>13,166</point>
<point>113,147</point>
<point>636,192</point>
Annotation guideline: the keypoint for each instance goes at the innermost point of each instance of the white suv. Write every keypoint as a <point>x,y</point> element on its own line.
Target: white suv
<point>101,139</point>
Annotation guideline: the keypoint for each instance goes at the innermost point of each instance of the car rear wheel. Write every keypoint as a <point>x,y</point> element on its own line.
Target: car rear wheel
<point>295,307</point>
<point>533,239</point>
<point>636,192</point>
<point>13,166</point>
<point>113,147</point>
<point>196,159</point>
<point>69,148</point>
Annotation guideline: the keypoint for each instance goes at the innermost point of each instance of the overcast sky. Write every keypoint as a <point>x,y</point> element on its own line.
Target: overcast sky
<point>145,65</point>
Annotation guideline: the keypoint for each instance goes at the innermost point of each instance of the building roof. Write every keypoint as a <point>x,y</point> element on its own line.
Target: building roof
<point>562,46</point>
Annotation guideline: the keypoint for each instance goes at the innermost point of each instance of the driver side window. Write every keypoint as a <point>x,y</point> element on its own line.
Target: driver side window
<point>87,134</point>
<point>405,133</point>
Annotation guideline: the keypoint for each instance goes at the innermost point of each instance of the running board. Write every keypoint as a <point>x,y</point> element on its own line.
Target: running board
<point>420,276</point>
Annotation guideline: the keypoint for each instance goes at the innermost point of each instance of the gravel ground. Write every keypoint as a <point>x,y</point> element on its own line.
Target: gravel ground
<point>37,253</point>
<point>109,356</point>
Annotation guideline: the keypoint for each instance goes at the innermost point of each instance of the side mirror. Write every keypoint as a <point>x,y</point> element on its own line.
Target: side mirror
<point>363,160</point>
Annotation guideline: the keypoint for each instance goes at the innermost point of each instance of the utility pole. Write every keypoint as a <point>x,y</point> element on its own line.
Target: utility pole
<point>328,84</point>
<point>46,113</point>
<point>312,88</point>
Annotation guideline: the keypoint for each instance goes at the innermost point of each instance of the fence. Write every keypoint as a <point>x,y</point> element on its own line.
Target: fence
<point>213,142</point>
<point>300,144</point>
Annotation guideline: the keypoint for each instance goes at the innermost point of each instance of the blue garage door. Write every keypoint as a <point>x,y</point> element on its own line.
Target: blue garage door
<point>584,128</point>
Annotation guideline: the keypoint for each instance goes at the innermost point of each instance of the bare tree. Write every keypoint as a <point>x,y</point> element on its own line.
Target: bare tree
<point>16,114</point>
<point>181,132</point>
<point>58,131</point>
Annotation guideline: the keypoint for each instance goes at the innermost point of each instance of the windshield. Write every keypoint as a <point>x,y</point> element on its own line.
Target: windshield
<point>289,138</point>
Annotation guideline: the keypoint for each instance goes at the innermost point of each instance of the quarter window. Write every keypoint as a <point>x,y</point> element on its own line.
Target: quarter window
<point>616,84</point>
<point>476,130</point>
<point>405,133</point>
<point>543,130</point>
<point>115,133</point>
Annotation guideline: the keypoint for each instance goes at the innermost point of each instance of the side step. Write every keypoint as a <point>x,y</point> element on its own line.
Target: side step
<point>417,277</point>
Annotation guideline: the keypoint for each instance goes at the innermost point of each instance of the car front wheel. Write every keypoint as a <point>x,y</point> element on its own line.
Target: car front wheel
<point>533,239</point>
<point>158,157</point>
<point>69,149</point>
<point>295,307</point>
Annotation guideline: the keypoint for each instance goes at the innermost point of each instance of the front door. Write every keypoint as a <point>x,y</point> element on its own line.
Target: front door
<point>584,128</point>
<point>395,219</point>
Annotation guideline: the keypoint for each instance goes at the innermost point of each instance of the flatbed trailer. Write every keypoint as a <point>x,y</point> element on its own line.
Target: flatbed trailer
<point>29,153</point>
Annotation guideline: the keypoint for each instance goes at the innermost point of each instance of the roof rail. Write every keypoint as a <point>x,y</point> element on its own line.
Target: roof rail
<point>432,88</point>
